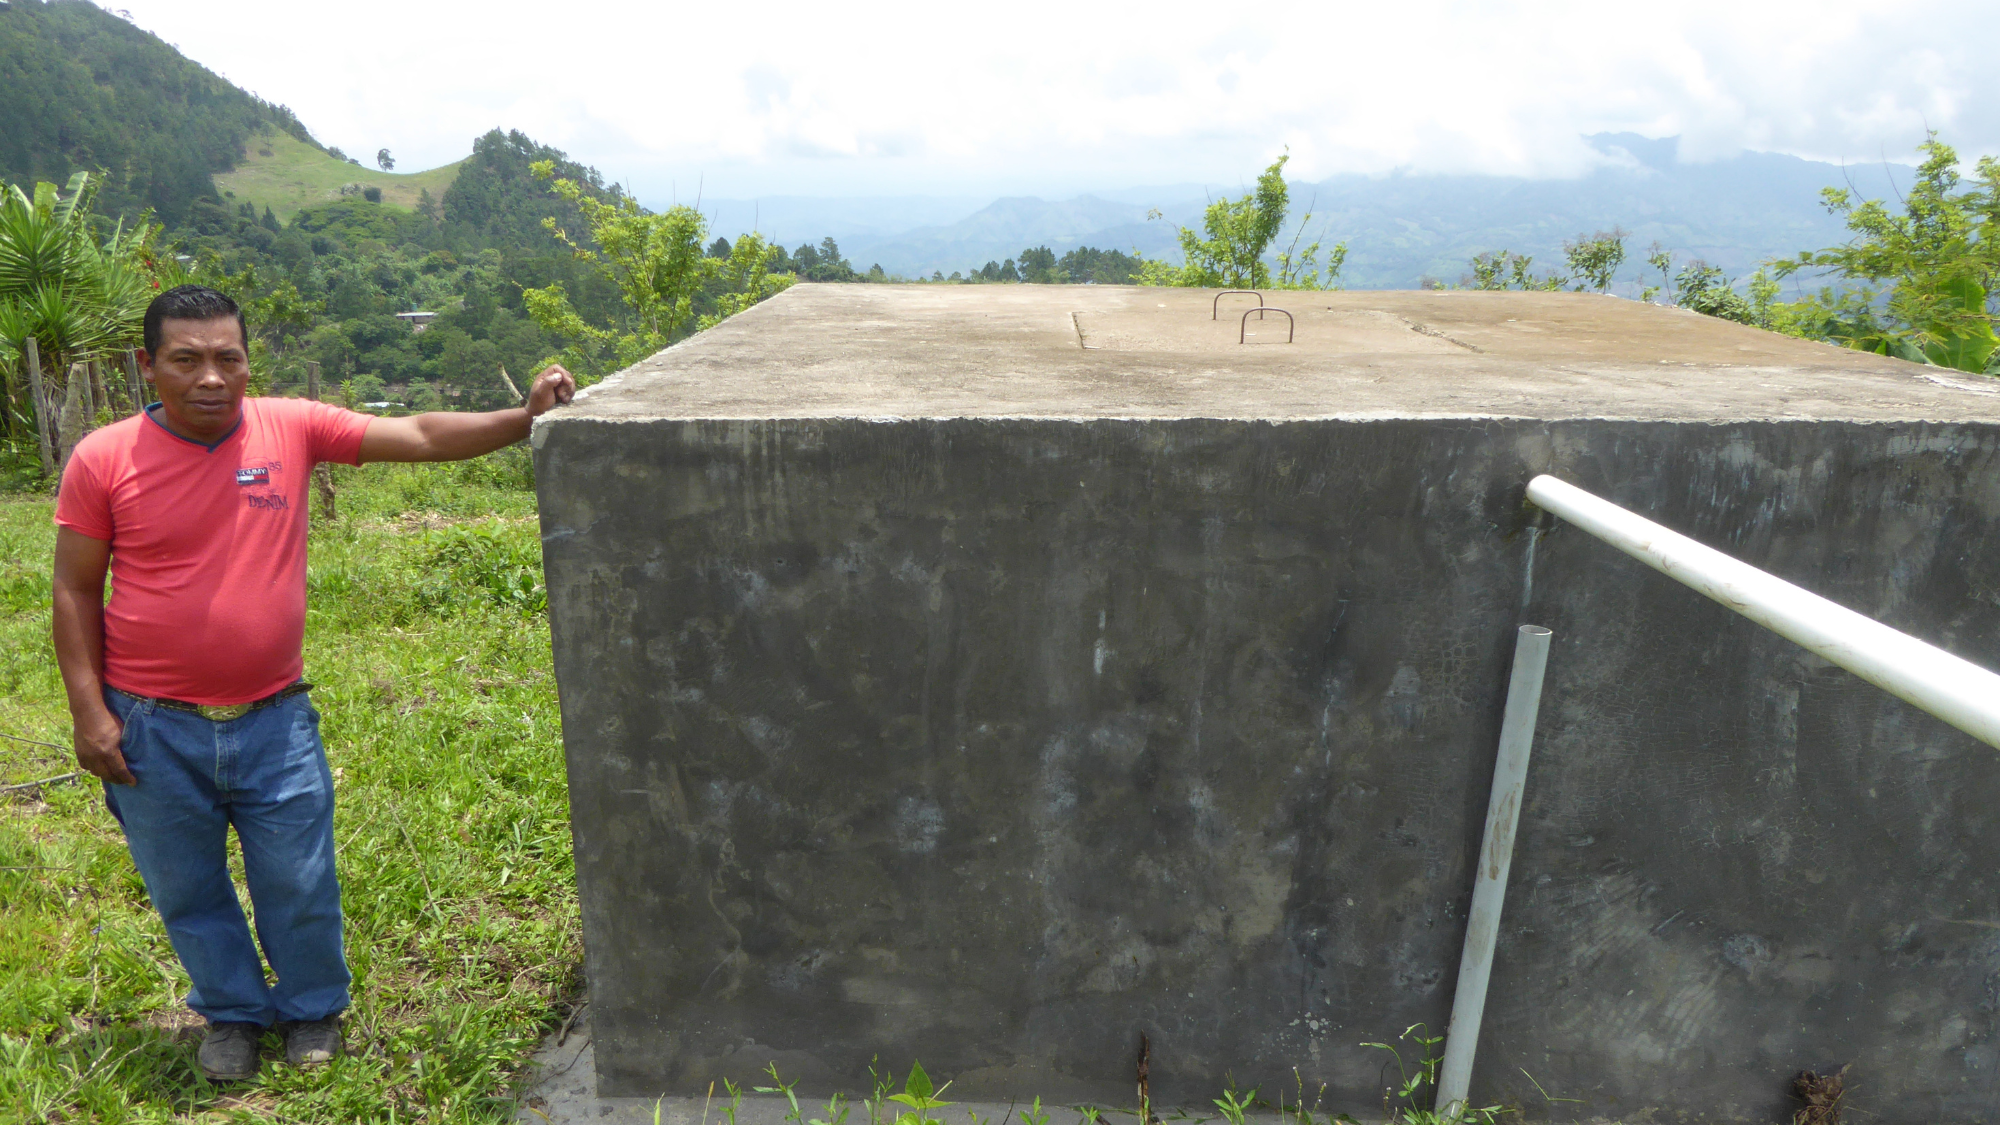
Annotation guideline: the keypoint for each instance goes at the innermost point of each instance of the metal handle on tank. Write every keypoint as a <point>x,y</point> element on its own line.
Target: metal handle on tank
<point>1215,306</point>
<point>1243,330</point>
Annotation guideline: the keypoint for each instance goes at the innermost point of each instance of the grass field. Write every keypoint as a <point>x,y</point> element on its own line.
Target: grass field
<point>284,173</point>
<point>429,645</point>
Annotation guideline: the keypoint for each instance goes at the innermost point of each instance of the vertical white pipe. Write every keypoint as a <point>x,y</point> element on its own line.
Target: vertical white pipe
<point>1496,855</point>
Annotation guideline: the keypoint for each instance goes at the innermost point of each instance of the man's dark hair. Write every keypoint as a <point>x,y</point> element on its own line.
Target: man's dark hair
<point>190,302</point>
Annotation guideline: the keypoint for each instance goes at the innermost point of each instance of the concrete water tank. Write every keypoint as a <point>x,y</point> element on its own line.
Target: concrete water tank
<point>986,675</point>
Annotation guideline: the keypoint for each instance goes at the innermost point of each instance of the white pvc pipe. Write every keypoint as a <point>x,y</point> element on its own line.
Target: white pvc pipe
<point>1496,855</point>
<point>1957,691</point>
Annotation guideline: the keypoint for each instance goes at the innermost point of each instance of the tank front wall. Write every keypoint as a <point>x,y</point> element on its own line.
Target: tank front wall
<point>996,743</point>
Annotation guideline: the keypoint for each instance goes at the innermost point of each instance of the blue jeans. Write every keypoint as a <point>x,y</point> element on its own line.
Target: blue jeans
<point>266,774</point>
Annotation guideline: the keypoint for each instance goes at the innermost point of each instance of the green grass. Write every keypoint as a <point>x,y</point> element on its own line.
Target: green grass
<point>283,173</point>
<point>432,661</point>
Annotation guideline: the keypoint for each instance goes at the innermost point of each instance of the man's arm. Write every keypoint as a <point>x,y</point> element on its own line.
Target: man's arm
<point>79,635</point>
<point>446,436</point>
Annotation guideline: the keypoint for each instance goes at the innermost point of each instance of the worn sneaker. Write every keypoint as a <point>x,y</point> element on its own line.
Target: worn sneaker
<point>229,1051</point>
<point>312,1042</point>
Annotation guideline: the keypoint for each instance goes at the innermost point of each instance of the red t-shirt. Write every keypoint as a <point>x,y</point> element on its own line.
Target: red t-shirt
<point>208,546</point>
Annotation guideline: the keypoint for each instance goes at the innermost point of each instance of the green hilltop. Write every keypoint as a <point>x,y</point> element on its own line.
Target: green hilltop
<point>284,173</point>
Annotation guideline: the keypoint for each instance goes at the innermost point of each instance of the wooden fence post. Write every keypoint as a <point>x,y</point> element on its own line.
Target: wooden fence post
<point>137,384</point>
<point>42,427</point>
<point>74,420</point>
<point>322,473</point>
<point>100,392</point>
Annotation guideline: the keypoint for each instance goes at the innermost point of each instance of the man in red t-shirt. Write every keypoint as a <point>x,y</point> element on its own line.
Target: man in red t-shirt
<point>186,689</point>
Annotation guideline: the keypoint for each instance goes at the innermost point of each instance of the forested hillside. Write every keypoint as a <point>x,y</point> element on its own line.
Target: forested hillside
<point>326,286</point>
<point>83,90</point>
<point>323,253</point>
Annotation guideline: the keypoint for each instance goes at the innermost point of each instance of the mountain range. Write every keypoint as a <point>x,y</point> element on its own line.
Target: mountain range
<point>1400,229</point>
<point>81,88</point>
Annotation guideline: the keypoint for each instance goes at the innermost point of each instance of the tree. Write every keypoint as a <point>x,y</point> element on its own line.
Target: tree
<point>1083,265</point>
<point>1236,232</point>
<point>384,161</point>
<point>657,263</point>
<point>1299,268</point>
<point>1919,280</point>
<point>719,248</point>
<point>421,396</point>
<point>1504,269</point>
<point>278,318</point>
<point>1703,288</point>
<point>745,278</point>
<point>1662,259</point>
<point>822,263</point>
<point>1104,267</point>
<point>362,390</point>
<point>1594,261</point>
<point>1038,266</point>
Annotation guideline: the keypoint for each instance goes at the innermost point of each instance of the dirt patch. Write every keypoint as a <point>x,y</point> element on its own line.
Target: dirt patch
<point>178,1024</point>
<point>1821,1094</point>
<point>250,1101</point>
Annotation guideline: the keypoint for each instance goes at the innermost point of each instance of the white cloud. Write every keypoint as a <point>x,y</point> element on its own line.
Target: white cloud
<point>823,99</point>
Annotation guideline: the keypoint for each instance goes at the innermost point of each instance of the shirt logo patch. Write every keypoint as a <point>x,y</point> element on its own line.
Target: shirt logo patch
<point>259,475</point>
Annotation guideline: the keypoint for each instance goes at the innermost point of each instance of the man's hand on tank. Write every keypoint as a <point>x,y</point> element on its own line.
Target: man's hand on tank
<point>98,752</point>
<point>551,388</point>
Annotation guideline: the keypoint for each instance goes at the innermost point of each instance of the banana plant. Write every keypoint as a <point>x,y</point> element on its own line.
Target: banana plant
<point>78,296</point>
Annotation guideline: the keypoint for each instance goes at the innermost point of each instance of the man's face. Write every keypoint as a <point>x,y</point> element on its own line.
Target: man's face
<point>200,371</point>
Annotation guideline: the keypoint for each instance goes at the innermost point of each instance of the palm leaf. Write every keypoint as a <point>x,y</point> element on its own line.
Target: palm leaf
<point>80,299</point>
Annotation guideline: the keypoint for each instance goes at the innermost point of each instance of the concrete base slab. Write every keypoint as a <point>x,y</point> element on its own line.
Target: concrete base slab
<point>564,1092</point>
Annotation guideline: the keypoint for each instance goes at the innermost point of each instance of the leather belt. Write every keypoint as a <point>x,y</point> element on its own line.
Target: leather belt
<point>225,713</point>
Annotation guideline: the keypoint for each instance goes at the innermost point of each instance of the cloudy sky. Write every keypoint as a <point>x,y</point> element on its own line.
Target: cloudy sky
<point>777,98</point>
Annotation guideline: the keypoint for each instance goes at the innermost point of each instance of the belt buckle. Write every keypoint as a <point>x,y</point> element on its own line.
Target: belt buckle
<point>223,714</point>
